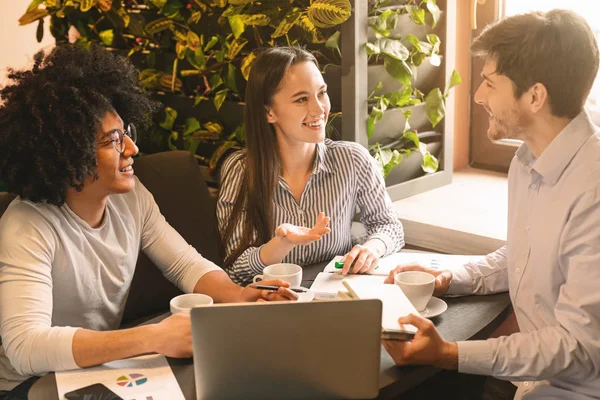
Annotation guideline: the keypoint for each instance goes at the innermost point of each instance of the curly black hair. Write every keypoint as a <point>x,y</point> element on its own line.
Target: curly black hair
<point>51,114</point>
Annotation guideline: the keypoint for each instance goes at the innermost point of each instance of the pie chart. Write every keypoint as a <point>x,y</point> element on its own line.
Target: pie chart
<point>131,380</point>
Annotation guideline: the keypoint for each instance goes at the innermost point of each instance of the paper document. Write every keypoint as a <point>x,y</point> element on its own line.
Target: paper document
<point>431,260</point>
<point>140,378</point>
<point>328,285</point>
<point>395,304</point>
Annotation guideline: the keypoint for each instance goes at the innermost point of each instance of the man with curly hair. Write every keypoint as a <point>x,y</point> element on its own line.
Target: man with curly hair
<point>69,242</point>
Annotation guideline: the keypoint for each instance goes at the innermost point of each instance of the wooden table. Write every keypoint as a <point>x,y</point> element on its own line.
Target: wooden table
<point>469,317</point>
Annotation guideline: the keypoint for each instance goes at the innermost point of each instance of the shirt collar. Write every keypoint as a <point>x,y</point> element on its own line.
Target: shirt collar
<point>321,163</point>
<point>555,158</point>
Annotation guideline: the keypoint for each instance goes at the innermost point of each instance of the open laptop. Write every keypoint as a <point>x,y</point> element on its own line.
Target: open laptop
<point>315,350</point>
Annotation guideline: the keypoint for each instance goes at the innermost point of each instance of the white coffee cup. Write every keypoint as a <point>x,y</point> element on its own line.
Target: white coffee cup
<point>185,302</point>
<point>418,286</point>
<point>290,273</point>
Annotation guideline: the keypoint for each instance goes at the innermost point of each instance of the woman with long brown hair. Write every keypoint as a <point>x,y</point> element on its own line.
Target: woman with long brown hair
<point>280,194</point>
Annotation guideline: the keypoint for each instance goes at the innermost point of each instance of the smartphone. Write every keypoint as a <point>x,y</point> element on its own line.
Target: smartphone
<point>96,391</point>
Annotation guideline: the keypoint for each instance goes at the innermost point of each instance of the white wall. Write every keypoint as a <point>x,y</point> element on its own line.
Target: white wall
<point>18,43</point>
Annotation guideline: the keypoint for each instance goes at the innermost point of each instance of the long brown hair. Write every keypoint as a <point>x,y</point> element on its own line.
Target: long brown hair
<point>262,159</point>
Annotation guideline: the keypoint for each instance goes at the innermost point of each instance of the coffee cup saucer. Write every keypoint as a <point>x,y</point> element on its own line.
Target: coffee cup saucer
<point>434,308</point>
<point>306,296</point>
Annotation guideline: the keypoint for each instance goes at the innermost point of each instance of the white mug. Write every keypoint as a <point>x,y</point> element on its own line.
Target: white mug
<point>290,273</point>
<point>185,302</point>
<point>418,286</point>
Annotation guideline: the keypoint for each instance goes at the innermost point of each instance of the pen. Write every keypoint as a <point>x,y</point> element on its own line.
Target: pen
<point>340,265</point>
<point>272,287</point>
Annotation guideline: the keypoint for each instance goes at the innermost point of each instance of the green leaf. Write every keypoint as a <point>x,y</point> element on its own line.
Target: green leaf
<point>379,25</point>
<point>191,125</point>
<point>429,164</point>
<point>434,10</point>
<point>107,37</point>
<point>400,97</point>
<point>434,106</point>
<point>220,98</point>
<point>173,137</point>
<point>194,144</point>
<point>237,25</point>
<point>213,127</point>
<point>240,133</point>
<point>435,60</point>
<point>34,4</point>
<point>236,46</point>
<point>215,81</point>
<point>334,42</point>
<point>39,33</point>
<point>407,113</point>
<point>373,48</point>
<point>455,80</point>
<point>219,152</point>
<point>370,127</point>
<point>387,159</point>
<point>413,137</point>
<point>412,39</point>
<point>394,48</point>
<point>211,43</point>
<point>399,70</point>
<point>196,58</point>
<point>417,14</point>
<point>231,77</point>
<point>169,121</point>
<point>199,99</point>
<point>171,9</point>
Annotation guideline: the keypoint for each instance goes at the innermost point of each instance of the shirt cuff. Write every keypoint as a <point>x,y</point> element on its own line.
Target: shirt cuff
<point>462,283</point>
<point>475,357</point>
<point>65,357</point>
<point>387,242</point>
<point>254,262</point>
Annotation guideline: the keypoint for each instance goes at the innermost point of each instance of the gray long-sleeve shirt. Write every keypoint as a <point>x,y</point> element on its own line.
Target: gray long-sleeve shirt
<point>551,268</point>
<point>57,275</point>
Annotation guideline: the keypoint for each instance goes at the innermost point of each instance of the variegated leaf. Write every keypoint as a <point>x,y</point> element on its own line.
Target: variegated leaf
<point>306,24</point>
<point>86,5</point>
<point>32,15</point>
<point>236,46</point>
<point>286,23</point>
<point>166,81</point>
<point>178,33</point>
<point>158,25</point>
<point>255,19</point>
<point>105,5</point>
<point>240,2</point>
<point>329,13</point>
<point>247,64</point>
<point>193,40</point>
<point>124,16</point>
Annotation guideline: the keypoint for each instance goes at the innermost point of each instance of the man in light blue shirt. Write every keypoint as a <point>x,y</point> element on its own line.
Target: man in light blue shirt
<point>538,73</point>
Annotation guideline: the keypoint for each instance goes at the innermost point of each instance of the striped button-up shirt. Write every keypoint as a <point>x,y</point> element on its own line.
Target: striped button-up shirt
<point>345,179</point>
<point>551,268</point>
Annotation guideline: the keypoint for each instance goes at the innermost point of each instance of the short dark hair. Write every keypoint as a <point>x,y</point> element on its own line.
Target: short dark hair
<point>555,48</point>
<point>51,114</point>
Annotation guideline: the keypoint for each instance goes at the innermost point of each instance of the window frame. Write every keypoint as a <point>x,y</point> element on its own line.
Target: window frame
<point>485,153</point>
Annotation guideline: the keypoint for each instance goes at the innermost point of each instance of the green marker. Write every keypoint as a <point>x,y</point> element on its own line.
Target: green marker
<point>340,265</point>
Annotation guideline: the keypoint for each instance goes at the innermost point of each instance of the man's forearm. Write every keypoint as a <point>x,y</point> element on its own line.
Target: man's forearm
<point>94,348</point>
<point>217,285</point>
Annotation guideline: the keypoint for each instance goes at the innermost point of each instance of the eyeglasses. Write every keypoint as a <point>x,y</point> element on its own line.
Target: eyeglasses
<point>119,140</point>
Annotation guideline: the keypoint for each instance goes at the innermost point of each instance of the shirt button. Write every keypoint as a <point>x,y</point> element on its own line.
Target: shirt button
<point>533,186</point>
<point>518,270</point>
<point>527,228</point>
<point>525,383</point>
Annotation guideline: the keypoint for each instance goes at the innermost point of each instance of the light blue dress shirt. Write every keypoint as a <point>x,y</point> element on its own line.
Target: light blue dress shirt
<point>551,268</point>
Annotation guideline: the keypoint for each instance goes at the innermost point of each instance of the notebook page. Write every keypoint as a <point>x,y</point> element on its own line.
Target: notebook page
<point>395,303</point>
